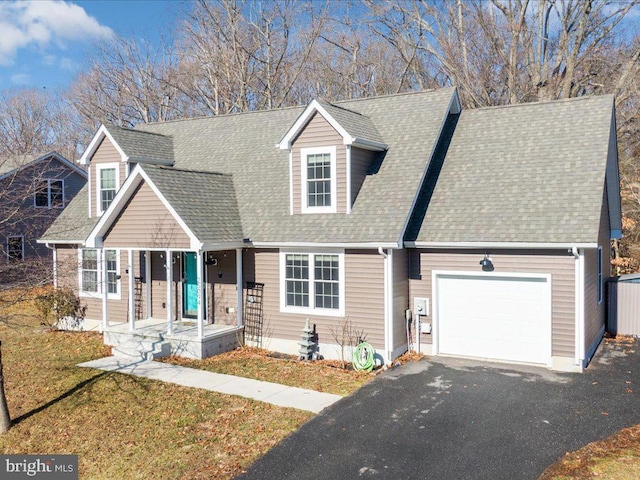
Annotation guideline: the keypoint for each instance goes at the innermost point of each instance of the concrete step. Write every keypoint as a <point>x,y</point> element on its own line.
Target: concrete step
<point>145,351</point>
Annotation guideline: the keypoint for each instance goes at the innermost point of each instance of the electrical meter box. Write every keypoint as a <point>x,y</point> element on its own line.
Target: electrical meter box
<point>421,306</point>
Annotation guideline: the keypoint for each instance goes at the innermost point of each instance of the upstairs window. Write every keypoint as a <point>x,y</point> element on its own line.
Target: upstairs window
<point>106,185</point>
<point>318,180</point>
<point>49,194</point>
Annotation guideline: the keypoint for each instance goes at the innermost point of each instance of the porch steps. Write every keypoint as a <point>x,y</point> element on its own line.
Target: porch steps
<point>138,347</point>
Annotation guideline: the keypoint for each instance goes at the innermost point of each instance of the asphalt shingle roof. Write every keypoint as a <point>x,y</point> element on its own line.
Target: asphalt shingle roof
<point>143,147</point>
<point>523,173</point>
<point>205,201</point>
<point>73,223</point>
<point>243,145</point>
<point>356,124</point>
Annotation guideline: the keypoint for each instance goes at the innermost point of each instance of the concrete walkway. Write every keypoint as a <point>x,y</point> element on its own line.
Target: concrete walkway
<point>273,393</point>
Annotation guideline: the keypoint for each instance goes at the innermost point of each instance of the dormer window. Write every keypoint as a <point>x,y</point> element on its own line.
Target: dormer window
<point>318,180</point>
<point>107,185</point>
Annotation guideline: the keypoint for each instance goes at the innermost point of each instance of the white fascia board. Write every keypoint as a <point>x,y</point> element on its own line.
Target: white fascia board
<point>122,197</point>
<point>218,247</point>
<point>95,142</point>
<point>505,245</point>
<point>368,144</point>
<point>314,106</point>
<point>323,245</point>
<point>60,242</point>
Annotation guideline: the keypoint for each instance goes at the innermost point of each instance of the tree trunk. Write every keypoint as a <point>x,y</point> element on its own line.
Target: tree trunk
<point>5,419</point>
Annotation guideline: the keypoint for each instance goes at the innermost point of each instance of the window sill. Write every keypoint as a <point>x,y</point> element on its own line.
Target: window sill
<point>316,312</point>
<point>99,296</point>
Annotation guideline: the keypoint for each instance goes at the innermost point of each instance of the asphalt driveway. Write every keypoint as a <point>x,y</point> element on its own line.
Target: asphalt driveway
<point>459,419</point>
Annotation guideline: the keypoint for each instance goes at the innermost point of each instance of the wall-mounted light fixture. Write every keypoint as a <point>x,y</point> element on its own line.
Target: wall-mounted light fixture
<point>487,264</point>
<point>211,260</point>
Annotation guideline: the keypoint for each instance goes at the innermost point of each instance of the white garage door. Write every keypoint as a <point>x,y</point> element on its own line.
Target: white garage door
<point>496,317</point>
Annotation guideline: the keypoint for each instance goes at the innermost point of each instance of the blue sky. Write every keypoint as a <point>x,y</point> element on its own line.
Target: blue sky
<point>44,44</point>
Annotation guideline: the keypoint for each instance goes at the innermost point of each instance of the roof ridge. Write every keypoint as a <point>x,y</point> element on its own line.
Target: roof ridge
<point>138,131</point>
<point>342,108</point>
<point>186,170</point>
<point>542,102</point>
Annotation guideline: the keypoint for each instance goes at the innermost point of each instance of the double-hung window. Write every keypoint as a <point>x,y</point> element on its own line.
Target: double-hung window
<point>49,194</point>
<point>106,185</point>
<point>312,283</point>
<point>92,265</point>
<point>318,180</point>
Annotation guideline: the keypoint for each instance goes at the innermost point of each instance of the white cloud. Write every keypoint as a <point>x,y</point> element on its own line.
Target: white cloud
<point>40,23</point>
<point>21,79</point>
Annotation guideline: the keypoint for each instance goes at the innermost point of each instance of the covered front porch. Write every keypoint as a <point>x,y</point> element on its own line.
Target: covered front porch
<point>151,340</point>
<point>174,302</point>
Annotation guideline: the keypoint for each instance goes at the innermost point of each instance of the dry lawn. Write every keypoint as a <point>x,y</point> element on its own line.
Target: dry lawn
<point>322,376</point>
<point>121,426</point>
<point>614,458</point>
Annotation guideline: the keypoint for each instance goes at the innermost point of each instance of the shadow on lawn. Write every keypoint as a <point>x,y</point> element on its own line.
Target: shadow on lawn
<point>67,394</point>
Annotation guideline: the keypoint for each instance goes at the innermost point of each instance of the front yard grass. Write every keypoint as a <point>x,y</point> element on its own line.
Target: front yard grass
<point>122,426</point>
<point>322,376</point>
<point>614,458</point>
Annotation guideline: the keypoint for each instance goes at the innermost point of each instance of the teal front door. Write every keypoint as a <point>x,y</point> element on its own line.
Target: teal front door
<point>189,285</point>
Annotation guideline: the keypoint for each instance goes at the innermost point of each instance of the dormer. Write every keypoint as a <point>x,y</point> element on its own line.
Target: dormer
<point>330,152</point>
<point>113,153</point>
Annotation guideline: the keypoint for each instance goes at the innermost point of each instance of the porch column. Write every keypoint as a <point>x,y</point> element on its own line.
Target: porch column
<point>132,313</point>
<point>199,282</point>
<point>169,266</point>
<point>147,279</point>
<point>239,283</point>
<point>105,287</point>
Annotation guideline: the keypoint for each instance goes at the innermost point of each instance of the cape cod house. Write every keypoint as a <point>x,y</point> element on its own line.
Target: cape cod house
<point>490,226</point>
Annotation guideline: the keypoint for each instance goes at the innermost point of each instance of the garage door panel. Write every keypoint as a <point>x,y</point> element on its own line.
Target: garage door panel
<point>503,318</point>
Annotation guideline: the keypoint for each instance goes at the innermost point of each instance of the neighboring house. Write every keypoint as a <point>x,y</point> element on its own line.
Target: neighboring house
<point>34,189</point>
<point>492,225</point>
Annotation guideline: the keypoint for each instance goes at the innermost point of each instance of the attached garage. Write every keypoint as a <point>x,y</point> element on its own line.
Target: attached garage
<point>504,316</point>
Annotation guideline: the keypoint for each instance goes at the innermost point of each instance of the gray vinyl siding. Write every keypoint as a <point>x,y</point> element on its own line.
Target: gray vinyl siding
<point>400,296</point>
<point>364,302</point>
<point>594,314</point>
<point>105,153</point>
<point>319,133</point>
<point>146,223</point>
<point>361,161</point>
<point>559,264</point>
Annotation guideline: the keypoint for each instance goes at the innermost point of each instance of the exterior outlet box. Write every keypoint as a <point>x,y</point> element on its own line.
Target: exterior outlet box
<point>231,310</point>
<point>425,327</point>
<point>421,307</point>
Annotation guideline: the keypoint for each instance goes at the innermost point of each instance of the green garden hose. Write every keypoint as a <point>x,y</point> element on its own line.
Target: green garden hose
<point>363,357</point>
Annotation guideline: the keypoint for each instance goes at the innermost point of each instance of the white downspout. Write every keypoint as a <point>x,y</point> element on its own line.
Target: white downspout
<point>388,305</point>
<point>239,283</point>
<point>55,264</point>
<point>578,255</point>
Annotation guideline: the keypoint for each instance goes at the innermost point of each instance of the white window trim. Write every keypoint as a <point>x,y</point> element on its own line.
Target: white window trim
<point>101,282</point>
<point>600,285</point>
<point>49,180</point>
<point>99,168</point>
<point>21,237</point>
<point>311,310</point>
<point>304,152</point>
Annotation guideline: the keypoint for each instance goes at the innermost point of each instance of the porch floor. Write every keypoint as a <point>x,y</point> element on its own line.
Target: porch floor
<point>150,340</point>
<point>182,330</point>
